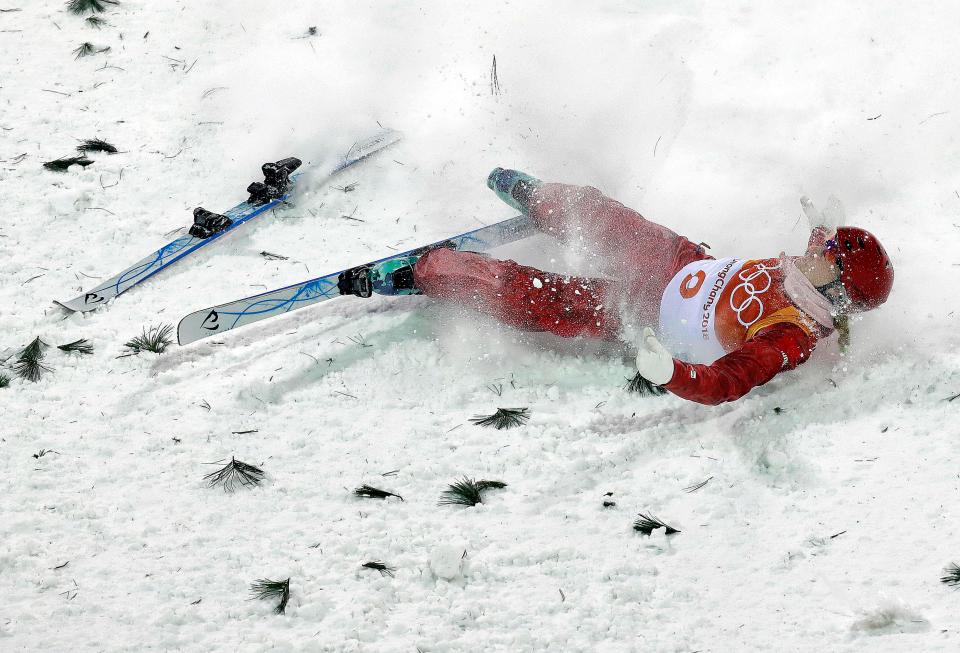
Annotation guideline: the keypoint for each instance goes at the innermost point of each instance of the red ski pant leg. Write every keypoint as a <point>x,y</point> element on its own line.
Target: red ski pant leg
<point>642,254</point>
<point>518,295</point>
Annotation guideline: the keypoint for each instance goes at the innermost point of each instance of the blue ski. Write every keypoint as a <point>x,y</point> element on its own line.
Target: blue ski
<point>275,189</point>
<point>225,317</point>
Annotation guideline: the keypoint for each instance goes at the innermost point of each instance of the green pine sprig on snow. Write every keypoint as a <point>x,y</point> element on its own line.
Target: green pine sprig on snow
<point>63,163</point>
<point>646,524</point>
<point>81,346</point>
<point>156,339</point>
<point>272,589</point>
<point>384,569</point>
<point>85,49</point>
<point>96,145</point>
<point>467,492</point>
<point>4,381</point>
<point>29,365</point>
<point>80,7</point>
<point>370,492</point>
<point>235,473</point>
<point>951,575</point>
<point>504,418</point>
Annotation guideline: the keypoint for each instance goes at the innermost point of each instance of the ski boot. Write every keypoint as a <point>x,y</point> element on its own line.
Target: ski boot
<point>513,187</point>
<point>391,277</point>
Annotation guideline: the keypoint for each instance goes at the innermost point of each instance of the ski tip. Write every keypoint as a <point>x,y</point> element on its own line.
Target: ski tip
<point>192,327</point>
<point>75,306</point>
<point>182,336</point>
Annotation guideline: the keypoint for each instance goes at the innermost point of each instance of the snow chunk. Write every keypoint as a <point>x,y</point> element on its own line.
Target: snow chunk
<point>446,560</point>
<point>891,616</point>
<point>537,283</point>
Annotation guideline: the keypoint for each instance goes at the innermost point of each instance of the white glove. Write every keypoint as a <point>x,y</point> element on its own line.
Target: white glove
<point>654,363</point>
<point>832,215</point>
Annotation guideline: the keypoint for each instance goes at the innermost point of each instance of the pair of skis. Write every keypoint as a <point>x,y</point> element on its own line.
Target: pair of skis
<point>277,186</point>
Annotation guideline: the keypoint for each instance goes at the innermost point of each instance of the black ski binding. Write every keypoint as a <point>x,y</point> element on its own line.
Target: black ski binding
<point>207,223</point>
<point>355,281</point>
<point>276,181</point>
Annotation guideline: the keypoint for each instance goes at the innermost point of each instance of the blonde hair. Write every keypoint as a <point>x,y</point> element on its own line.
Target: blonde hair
<point>842,325</point>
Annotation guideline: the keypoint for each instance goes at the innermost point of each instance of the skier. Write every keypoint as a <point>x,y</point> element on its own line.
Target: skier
<point>732,324</point>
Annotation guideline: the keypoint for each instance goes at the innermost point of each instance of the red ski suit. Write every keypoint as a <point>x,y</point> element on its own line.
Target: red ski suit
<point>644,257</point>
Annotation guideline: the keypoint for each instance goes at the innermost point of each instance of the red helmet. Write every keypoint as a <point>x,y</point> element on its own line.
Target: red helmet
<point>866,271</point>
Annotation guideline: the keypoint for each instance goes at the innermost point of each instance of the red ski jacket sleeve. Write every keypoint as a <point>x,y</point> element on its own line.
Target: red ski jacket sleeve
<point>780,347</point>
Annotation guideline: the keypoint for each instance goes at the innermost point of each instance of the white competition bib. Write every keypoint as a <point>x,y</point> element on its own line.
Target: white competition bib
<point>688,309</point>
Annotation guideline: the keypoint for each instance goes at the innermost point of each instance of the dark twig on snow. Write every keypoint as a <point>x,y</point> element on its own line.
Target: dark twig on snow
<point>81,346</point>
<point>494,81</point>
<point>273,257</point>
<point>96,145</point>
<point>63,164</point>
<point>272,589</point>
<point>156,339</point>
<point>235,473</point>
<point>385,570</point>
<point>953,397</point>
<point>467,492</point>
<point>371,492</point>
<point>643,387</point>
<point>646,524</point>
<point>696,486</point>
<point>504,418</point>
<point>951,575</point>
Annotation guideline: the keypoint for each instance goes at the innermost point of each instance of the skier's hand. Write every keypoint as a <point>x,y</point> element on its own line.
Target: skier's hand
<point>654,362</point>
<point>513,187</point>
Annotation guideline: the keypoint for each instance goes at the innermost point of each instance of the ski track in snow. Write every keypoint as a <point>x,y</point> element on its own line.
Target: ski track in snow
<point>829,511</point>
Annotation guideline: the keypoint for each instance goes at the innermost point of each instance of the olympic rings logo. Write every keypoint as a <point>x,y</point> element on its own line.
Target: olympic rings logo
<point>752,301</point>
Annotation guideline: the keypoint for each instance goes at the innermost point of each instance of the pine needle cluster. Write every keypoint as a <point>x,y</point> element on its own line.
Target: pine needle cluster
<point>95,22</point>
<point>641,386</point>
<point>951,575</point>
<point>467,492</point>
<point>96,145</point>
<point>4,381</point>
<point>85,49</point>
<point>81,346</point>
<point>63,164</point>
<point>235,473</point>
<point>29,365</point>
<point>272,589</point>
<point>384,569</point>
<point>80,7</point>
<point>370,492</point>
<point>504,418</point>
<point>156,339</point>
<point>646,524</point>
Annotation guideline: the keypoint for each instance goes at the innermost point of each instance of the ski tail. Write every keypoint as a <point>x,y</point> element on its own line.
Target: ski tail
<point>219,319</point>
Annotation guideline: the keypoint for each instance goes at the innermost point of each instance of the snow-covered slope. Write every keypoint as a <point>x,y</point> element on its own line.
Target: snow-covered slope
<point>830,509</point>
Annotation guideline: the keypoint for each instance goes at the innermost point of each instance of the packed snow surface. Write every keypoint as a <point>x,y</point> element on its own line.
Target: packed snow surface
<point>831,507</point>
